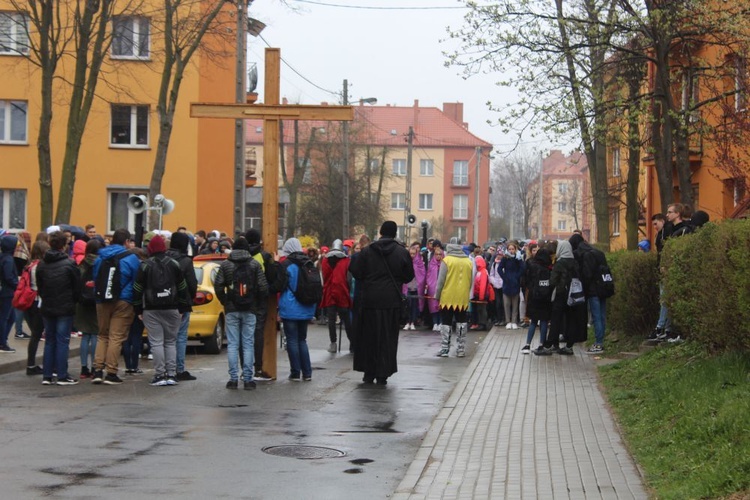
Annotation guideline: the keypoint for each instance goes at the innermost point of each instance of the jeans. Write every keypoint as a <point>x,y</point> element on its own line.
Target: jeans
<point>240,324</point>
<point>56,345</point>
<point>19,321</point>
<point>88,349</point>
<point>36,325</point>
<point>182,336</point>
<point>598,308</point>
<point>131,349</point>
<point>664,323</point>
<point>162,325</point>
<point>7,318</point>
<point>413,300</point>
<point>542,331</point>
<point>296,347</point>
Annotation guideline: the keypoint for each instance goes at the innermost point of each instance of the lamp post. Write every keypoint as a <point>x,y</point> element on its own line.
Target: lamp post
<point>345,166</point>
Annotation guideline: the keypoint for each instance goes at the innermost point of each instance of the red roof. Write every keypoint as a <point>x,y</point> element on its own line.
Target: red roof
<point>389,126</point>
<point>558,163</point>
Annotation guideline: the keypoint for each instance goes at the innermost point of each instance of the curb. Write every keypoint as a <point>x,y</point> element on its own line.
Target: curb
<point>16,365</point>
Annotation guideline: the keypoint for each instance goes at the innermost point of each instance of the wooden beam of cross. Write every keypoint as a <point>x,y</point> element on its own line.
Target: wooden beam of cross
<point>271,112</point>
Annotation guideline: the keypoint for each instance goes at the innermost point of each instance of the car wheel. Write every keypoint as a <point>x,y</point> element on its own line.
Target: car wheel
<point>214,344</point>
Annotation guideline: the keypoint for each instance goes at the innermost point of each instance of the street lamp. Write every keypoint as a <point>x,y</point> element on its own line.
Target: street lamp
<point>345,167</point>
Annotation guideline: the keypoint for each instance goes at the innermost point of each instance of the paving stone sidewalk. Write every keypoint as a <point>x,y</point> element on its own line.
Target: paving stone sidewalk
<point>523,426</point>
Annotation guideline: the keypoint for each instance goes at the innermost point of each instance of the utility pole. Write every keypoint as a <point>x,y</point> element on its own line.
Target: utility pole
<point>345,166</point>
<point>541,193</point>
<point>239,125</point>
<point>478,155</point>
<point>407,207</point>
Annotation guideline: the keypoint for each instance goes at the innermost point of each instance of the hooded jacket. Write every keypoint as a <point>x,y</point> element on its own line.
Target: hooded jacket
<point>483,290</point>
<point>589,259</point>
<point>511,270</point>
<point>128,269</point>
<point>178,247</point>
<point>455,280</point>
<point>8,273</point>
<point>371,270</point>
<point>564,270</point>
<point>224,281</point>
<point>335,268</point>
<point>59,284</point>
<point>79,251</point>
<point>289,307</point>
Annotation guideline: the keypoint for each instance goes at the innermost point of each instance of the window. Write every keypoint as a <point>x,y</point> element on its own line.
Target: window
<point>399,167</point>
<point>14,33</point>
<point>131,38</point>
<point>374,165</point>
<point>119,216</point>
<point>426,168</point>
<point>398,201</point>
<point>561,224</point>
<point>461,173</point>
<point>13,121</point>
<point>562,206</point>
<point>616,162</point>
<point>13,208</point>
<point>461,234</point>
<point>562,188</point>
<point>425,201</point>
<point>690,94</point>
<point>740,84</point>
<point>129,125</point>
<point>616,221</point>
<point>460,206</point>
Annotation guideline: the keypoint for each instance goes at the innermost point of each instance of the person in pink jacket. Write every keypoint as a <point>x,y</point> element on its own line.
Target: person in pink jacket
<point>415,286</point>
<point>433,269</point>
<point>482,294</point>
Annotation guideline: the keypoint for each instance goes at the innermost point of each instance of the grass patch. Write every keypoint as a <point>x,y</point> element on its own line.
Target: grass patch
<point>615,343</point>
<point>686,418</point>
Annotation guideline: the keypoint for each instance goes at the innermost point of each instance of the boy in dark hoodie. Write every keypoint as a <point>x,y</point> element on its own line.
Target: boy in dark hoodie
<point>178,250</point>
<point>8,284</point>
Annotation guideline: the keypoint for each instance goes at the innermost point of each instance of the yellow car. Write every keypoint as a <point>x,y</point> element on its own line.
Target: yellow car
<point>207,318</point>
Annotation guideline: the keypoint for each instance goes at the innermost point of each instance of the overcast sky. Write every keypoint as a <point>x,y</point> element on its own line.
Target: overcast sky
<point>390,52</point>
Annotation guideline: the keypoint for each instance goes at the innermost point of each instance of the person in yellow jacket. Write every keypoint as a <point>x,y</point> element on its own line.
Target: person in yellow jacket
<point>454,287</point>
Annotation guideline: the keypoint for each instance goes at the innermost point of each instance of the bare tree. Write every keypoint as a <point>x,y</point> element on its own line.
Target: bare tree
<point>518,177</point>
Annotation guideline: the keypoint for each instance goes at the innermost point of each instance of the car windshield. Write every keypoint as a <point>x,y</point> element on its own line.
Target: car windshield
<point>199,274</point>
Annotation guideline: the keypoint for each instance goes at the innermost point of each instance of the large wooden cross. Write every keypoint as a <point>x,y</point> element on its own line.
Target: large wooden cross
<point>271,112</point>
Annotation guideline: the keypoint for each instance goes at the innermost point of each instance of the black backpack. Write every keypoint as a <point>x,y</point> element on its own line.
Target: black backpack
<point>160,290</point>
<point>107,285</point>
<point>275,275</point>
<point>309,285</point>
<point>541,290</point>
<point>88,293</point>
<point>243,287</point>
<point>604,282</point>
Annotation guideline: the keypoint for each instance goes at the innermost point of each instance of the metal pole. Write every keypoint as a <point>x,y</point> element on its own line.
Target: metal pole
<point>407,206</point>
<point>345,166</point>
<point>239,125</point>
<point>478,154</point>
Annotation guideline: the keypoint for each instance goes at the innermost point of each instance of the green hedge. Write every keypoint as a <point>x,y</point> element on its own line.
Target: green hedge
<point>634,309</point>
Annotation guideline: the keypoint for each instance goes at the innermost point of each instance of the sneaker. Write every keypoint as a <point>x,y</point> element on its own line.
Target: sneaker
<point>566,351</point>
<point>675,340</point>
<point>526,349</point>
<point>67,381</point>
<point>595,349</point>
<point>150,356</point>
<point>460,353</point>
<point>249,385</point>
<point>47,381</point>
<point>158,380</point>
<point>663,335</point>
<point>182,376</point>
<point>655,334</point>
<point>473,328</point>
<point>34,370</point>
<point>525,324</point>
<point>294,378</point>
<point>514,326</point>
<point>435,328</point>
<point>232,384</point>
<point>307,378</point>
<point>97,377</point>
<point>509,326</point>
<point>23,336</point>
<point>112,379</point>
<point>443,353</point>
<point>171,380</point>
<point>332,347</point>
<point>262,376</point>
<point>543,351</point>
<point>7,348</point>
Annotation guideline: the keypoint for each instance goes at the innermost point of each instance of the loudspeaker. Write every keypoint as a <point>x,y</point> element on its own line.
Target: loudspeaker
<point>165,204</point>
<point>411,219</point>
<point>426,224</point>
<point>137,204</point>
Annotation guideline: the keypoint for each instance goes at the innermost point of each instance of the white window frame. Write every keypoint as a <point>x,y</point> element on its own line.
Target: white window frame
<point>399,167</point>
<point>133,144</point>
<point>616,162</point>
<point>562,206</point>
<point>5,220</point>
<point>398,201</point>
<point>461,172</point>
<point>426,167</point>
<point>130,215</point>
<point>425,201</point>
<point>690,93</point>
<point>136,24</point>
<point>461,233</point>
<point>374,165</point>
<point>6,121</point>
<point>562,188</point>
<point>616,221</point>
<point>562,224</point>
<point>461,206</point>
<point>14,41</point>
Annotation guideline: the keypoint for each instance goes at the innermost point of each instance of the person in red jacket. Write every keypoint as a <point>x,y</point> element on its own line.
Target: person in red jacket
<point>336,298</point>
<point>482,294</point>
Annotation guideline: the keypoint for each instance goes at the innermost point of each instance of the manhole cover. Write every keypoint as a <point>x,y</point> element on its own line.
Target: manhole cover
<point>303,452</point>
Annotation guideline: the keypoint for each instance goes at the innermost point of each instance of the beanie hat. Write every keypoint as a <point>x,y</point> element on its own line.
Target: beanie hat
<point>180,242</point>
<point>388,229</point>
<point>241,244</point>
<point>575,240</point>
<point>252,236</point>
<point>644,245</point>
<point>156,245</point>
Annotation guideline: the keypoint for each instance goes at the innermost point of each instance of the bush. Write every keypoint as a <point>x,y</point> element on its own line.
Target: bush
<point>634,309</point>
<point>707,285</point>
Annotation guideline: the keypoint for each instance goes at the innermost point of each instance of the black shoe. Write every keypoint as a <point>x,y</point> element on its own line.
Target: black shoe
<point>185,376</point>
<point>23,336</point>
<point>655,335</point>
<point>307,378</point>
<point>382,381</point>
<point>34,370</point>
<point>294,378</point>
<point>368,379</point>
<point>112,379</point>
<point>566,351</point>
<point>249,385</point>
<point>262,376</point>
<point>47,381</point>
<point>7,348</point>
<point>232,384</point>
<point>543,351</point>
<point>67,381</point>
<point>98,377</point>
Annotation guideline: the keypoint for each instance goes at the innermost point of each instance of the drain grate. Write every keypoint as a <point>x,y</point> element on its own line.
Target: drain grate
<point>303,452</point>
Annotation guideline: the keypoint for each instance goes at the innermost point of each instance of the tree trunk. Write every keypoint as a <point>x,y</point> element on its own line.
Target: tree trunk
<point>635,73</point>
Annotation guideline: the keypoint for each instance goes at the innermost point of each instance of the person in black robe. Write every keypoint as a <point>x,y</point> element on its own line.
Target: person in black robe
<point>381,269</point>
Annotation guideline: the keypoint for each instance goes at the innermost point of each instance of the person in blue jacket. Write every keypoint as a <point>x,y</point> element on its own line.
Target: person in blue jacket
<point>114,316</point>
<point>294,315</point>
<point>512,268</point>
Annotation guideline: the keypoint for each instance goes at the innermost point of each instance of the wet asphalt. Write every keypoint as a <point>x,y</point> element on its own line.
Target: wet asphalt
<point>200,440</point>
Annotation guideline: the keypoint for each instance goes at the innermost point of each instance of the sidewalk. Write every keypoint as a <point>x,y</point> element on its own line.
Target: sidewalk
<point>14,362</point>
<point>523,426</point>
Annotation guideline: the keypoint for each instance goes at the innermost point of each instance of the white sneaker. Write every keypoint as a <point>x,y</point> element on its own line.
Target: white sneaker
<point>515,326</point>
<point>509,326</point>
<point>435,328</point>
<point>412,327</point>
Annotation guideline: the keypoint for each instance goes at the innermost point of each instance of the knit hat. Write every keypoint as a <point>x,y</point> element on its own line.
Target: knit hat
<point>575,240</point>
<point>180,242</point>
<point>252,236</point>
<point>389,229</point>
<point>241,244</point>
<point>156,245</point>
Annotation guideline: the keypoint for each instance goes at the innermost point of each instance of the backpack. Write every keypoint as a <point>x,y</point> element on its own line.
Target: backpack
<point>604,282</point>
<point>309,285</point>
<point>160,290</point>
<point>575,293</point>
<point>276,276</point>
<point>88,293</point>
<point>541,290</point>
<point>24,297</point>
<point>243,289</point>
<point>107,285</point>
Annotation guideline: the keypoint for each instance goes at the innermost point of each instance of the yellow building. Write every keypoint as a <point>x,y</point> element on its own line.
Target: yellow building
<point>119,144</point>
